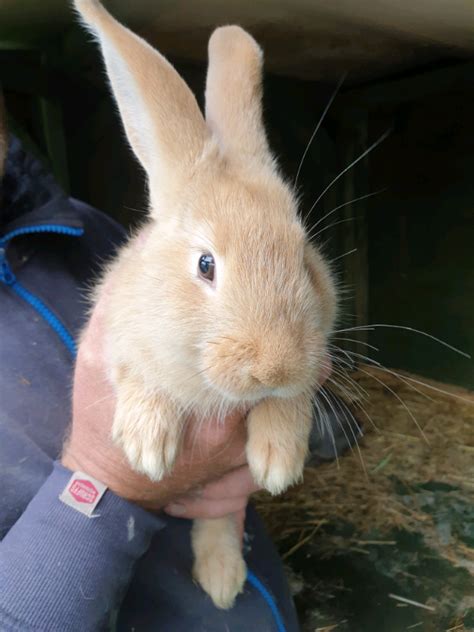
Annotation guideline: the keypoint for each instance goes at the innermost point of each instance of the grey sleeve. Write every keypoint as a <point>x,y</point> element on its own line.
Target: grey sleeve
<point>61,571</point>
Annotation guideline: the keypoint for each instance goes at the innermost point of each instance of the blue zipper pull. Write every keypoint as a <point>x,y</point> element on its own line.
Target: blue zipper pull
<point>6,275</point>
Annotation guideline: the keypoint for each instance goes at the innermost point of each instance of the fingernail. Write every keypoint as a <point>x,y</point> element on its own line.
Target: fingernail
<point>175,509</point>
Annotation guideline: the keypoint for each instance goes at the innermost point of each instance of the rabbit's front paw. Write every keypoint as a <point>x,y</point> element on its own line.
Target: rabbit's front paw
<point>219,566</point>
<point>148,430</point>
<point>275,466</point>
<point>278,433</point>
<point>153,456</point>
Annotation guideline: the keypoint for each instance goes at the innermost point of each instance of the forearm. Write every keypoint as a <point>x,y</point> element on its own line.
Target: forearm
<point>62,571</point>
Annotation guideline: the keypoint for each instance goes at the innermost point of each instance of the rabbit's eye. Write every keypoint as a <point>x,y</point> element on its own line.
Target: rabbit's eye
<point>206,267</point>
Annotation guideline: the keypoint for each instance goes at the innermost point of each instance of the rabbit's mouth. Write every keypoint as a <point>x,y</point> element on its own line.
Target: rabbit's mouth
<point>247,395</point>
<point>246,398</point>
<point>275,365</point>
<point>237,384</point>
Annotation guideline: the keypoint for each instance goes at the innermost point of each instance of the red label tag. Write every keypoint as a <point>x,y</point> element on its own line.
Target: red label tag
<point>83,493</point>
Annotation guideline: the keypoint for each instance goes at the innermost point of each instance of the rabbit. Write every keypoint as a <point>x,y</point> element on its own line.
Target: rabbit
<point>225,305</point>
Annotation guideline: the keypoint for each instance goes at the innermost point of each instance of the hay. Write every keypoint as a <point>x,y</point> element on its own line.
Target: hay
<point>374,489</point>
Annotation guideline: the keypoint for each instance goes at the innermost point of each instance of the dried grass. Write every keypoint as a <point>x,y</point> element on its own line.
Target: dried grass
<point>396,456</point>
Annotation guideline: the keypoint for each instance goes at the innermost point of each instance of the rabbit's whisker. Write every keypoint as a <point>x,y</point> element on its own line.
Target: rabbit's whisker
<point>396,395</point>
<point>333,407</point>
<point>361,342</point>
<point>325,427</point>
<point>340,221</point>
<point>337,208</point>
<point>372,327</point>
<point>377,364</point>
<point>318,125</point>
<point>345,254</point>
<point>352,164</point>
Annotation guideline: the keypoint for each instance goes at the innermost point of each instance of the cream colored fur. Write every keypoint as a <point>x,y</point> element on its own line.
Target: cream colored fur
<point>255,339</point>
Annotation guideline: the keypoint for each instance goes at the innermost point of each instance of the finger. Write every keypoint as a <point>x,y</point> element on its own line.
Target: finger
<point>234,484</point>
<point>187,507</point>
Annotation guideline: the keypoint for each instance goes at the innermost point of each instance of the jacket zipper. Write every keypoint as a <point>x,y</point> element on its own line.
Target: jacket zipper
<point>8,278</point>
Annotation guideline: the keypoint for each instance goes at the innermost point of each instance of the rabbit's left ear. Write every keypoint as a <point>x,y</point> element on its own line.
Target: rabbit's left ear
<point>162,119</point>
<point>234,94</point>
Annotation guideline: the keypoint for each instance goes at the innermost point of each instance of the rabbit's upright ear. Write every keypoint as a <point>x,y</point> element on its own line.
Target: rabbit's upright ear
<point>234,94</point>
<point>161,117</point>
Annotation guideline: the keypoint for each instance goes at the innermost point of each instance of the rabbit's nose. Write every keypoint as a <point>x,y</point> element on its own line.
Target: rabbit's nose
<point>274,367</point>
<point>270,376</point>
<point>278,359</point>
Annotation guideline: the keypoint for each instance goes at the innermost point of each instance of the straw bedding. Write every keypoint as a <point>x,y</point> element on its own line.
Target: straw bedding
<point>376,487</point>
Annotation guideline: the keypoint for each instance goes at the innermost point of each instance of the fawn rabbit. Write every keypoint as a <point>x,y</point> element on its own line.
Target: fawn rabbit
<point>226,304</point>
